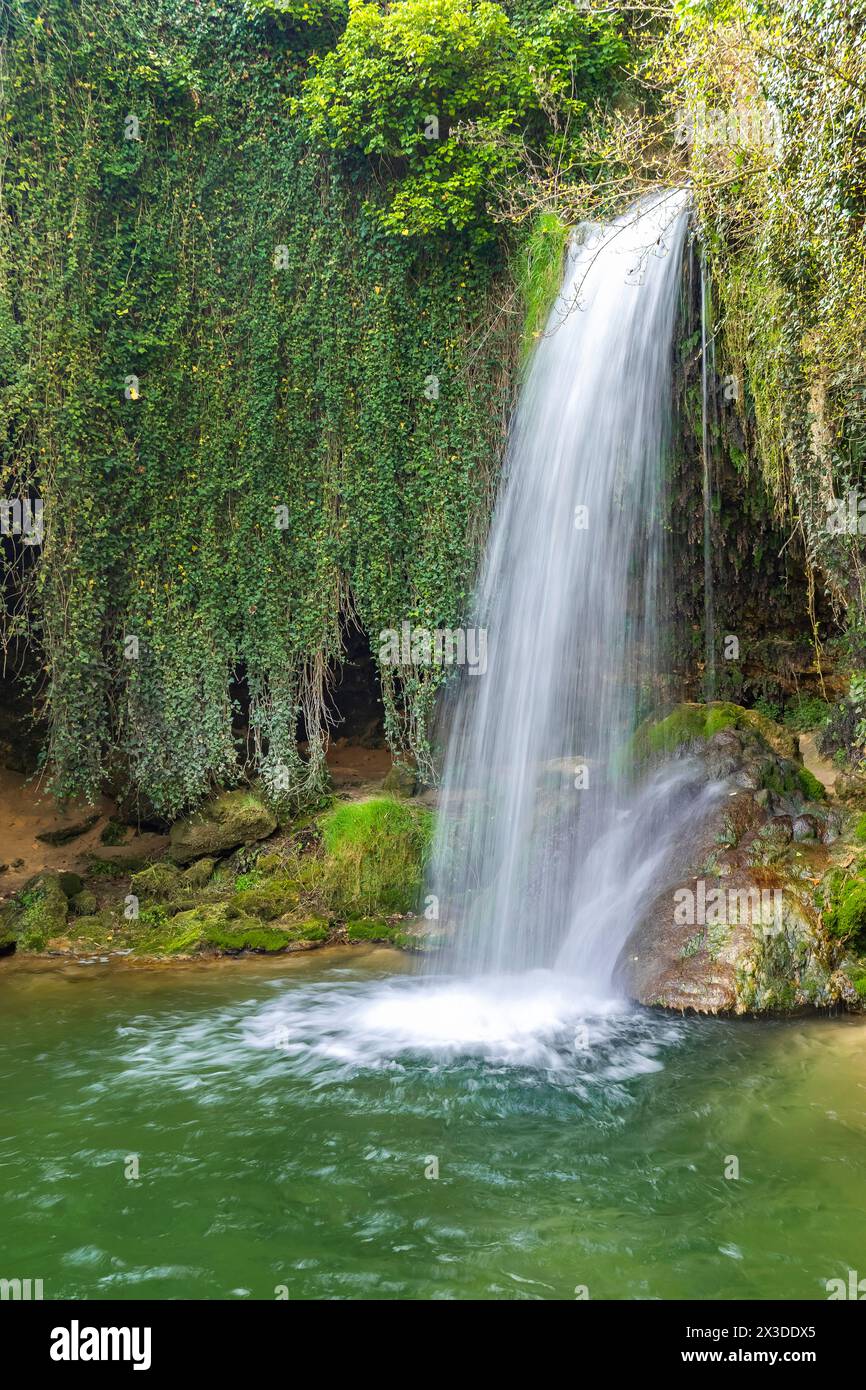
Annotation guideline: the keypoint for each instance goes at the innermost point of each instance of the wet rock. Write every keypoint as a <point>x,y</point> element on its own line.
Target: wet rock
<point>781,828</point>
<point>227,821</point>
<point>806,828</point>
<point>737,930</point>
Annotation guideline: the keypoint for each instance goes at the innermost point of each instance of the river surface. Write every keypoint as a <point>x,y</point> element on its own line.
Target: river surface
<point>287,1119</point>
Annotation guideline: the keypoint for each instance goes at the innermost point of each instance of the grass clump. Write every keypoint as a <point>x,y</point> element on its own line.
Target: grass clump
<point>541,277</point>
<point>375,853</point>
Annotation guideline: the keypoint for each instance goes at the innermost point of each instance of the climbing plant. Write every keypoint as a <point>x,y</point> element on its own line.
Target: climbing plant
<point>254,399</point>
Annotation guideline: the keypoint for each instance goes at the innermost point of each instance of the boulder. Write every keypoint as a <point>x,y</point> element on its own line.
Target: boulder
<point>223,823</point>
<point>738,931</point>
<point>161,882</point>
<point>198,873</point>
<point>36,914</point>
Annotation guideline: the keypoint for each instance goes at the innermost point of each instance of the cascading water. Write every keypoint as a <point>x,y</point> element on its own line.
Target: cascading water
<point>542,855</point>
<point>545,858</point>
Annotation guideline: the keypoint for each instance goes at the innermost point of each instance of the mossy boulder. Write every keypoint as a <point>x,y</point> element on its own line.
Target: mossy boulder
<point>222,824</point>
<point>732,944</point>
<point>36,914</point>
<point>733,924</point>
<point>375,853</point>
<point>690,724</point>
<point>378,929</point>
<point>210,928</point>
<point>199,873</point>
<point>162,882</point>
<point>268,900</point>
<point>84,904</point>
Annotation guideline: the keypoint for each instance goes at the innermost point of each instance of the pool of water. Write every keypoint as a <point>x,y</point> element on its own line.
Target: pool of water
<point>287,1121</point>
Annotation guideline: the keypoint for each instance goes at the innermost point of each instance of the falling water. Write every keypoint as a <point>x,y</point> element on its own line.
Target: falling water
<point>542,854</point>
<point>707,370</point>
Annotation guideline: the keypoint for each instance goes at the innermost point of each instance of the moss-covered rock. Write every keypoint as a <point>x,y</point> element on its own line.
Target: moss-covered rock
<point>199,873</point>
<point>84,904</point>
<point>268,900</point>
<point>695,723</point>
<point>71,883</point>
<point>375,852</point>
<point>37,913</point>
<point>162,882</point>
<point>225,822</point>
<point>377,929</point>
<point>210,928</point>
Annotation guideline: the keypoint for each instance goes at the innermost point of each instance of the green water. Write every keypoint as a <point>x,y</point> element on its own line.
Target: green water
<point>284,1115</point>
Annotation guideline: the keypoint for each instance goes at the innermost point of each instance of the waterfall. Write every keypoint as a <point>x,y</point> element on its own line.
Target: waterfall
<point>542,853</point>
<point>708,370</point>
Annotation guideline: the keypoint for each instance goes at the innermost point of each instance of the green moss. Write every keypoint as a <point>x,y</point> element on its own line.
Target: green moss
<point>229,819</point>
<point>859,983</point>
<point>84,904</point>
<point>267,900</point>
<point>97,931</point>
<point>809,785</point>
<point>247,938</point>
<point>199,873</point>
<point>846,918</point>
<point>163,882</point>
<point>115,868</point>
<point>43,907</point>
<point>860,831</point>
<point>375,929</point>
<point>375,852</point>
<point>265,864</point>
<point>685,724</point>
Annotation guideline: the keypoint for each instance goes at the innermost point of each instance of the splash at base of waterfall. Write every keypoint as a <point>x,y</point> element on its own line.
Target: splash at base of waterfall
<point>540,1021</point>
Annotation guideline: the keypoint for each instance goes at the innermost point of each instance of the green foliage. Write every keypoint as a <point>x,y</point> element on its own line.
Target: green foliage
<point>302,14</point>
<point>376,851</point>
<point>279,467</point>
<point>435,90</point>
<point>782,215</point>
<point>846,918</point>
<point>807,713</point>
<point>542,275</point>
<point>768,709</point>
<point>401,80</point>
